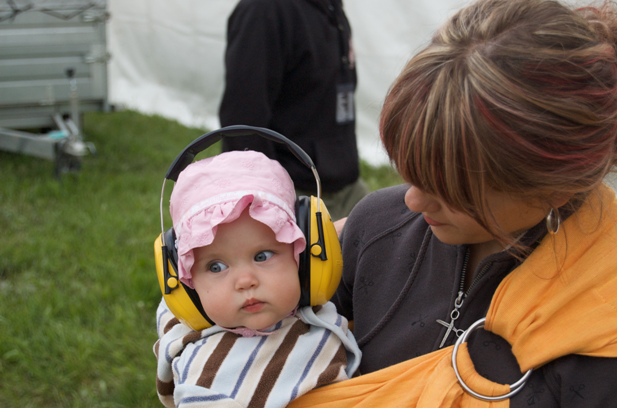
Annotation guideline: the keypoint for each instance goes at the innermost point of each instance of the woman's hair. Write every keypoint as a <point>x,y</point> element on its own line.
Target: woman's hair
<point>514,96</point>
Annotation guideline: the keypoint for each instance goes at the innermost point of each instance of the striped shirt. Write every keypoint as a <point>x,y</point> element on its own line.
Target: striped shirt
<point>217,368</point>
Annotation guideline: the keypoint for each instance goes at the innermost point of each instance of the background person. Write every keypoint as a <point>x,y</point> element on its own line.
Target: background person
<point>290,67</point>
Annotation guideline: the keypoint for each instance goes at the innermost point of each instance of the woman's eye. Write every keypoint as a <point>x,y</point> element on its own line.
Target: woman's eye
<point>217,267</point>
<point>263,256</point>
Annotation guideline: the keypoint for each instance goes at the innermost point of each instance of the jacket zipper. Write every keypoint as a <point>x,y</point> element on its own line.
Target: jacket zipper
<point>458,302</point>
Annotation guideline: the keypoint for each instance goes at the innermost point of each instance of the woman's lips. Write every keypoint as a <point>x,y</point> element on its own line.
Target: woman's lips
<point>432,222</point>
<point>252,305</point>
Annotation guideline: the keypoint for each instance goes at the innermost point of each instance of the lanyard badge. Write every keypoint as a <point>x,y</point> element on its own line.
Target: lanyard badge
<point>345,109</point>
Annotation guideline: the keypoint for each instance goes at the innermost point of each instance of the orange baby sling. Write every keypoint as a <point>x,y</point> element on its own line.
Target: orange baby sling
<point>562,300</point>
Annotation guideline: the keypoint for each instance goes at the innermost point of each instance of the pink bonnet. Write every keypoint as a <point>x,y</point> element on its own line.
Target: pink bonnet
<point>216,190</point>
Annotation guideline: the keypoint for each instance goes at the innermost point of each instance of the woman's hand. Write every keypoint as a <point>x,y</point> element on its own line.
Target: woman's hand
<point>338,225</point>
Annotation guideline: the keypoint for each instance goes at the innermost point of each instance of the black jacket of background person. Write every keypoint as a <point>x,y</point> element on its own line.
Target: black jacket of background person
<point>384,259</point>
<point>284,61</point>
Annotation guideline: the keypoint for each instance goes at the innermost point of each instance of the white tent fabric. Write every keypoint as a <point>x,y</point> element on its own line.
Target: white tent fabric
<point>167,57</point>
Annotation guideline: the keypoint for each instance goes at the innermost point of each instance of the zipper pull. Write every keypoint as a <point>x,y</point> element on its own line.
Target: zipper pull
<point>454,315</point>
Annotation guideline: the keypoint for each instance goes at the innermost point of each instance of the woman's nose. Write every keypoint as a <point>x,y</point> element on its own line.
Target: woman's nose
<point>419,201</point>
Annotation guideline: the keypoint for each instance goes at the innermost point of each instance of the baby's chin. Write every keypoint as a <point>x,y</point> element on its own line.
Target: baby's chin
<point>262,322</point>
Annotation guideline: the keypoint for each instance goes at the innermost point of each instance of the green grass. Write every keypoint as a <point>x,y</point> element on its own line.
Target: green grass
<point>379,177</point>
<point>78,292</point>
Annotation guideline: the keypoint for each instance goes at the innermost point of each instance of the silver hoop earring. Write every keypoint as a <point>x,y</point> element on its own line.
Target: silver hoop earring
<point>553,221</point>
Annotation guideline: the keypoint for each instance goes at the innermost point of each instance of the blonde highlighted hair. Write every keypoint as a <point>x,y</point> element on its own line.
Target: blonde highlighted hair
<point>514,96</point>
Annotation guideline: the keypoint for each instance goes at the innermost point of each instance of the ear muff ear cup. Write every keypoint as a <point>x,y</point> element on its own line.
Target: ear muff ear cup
<point>182,301</point>
<point>321,263</point>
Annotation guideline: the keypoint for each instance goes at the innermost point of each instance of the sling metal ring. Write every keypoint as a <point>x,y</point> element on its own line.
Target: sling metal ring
<point>514,388</point>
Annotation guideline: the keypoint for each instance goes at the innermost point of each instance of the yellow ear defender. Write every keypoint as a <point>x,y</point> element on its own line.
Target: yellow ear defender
<point>321,262</point>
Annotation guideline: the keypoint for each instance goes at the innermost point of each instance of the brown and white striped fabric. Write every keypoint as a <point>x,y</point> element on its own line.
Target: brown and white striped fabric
<point>217,368</point>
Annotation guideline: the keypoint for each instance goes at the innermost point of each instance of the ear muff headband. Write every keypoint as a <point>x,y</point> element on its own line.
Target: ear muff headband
<point>200,144</point>
<point>318,279</point>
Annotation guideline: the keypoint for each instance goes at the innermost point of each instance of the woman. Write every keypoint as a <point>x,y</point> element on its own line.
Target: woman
<point>504,128</point>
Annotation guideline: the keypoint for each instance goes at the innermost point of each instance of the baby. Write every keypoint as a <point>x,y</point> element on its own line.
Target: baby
<point>238,246</point>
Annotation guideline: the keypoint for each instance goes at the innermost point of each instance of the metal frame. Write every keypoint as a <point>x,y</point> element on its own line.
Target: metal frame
<point>53,67</point>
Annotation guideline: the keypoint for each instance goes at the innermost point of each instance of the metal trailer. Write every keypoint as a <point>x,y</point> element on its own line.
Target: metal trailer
<point>53,67</point>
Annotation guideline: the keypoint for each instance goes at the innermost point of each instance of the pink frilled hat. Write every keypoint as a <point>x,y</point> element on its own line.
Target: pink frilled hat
<point>216,190</point>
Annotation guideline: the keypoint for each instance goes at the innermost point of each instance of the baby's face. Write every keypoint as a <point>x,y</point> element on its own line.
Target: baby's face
<point>245,277</point>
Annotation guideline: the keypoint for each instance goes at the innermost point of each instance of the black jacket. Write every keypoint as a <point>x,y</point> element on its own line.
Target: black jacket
<point>399,279</point>
<point>284,62</point>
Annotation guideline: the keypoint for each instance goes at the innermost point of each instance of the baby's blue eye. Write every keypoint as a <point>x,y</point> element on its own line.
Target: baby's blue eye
<point>217,267</point>
<point>263,256</point>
